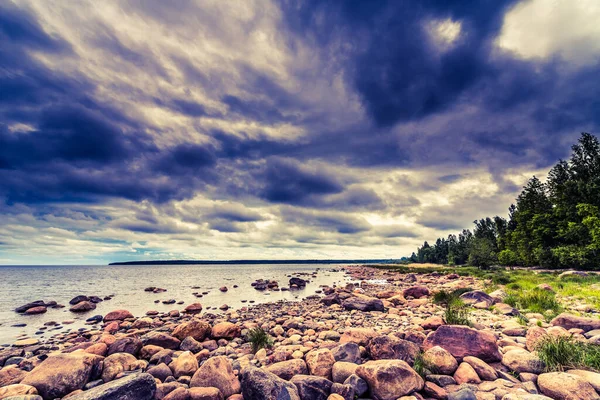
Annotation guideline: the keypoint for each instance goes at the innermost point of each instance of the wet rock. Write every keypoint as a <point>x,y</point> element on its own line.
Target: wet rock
<point>83,306</point>
<point>298,282</point>
<point>36,310</point>
<point>193,308</point>
<point>78,299</point>
<point>259,384</point>
<point>312,387</point>
<point>462,341</point>
<point>25,307</point>
<point>61,374</point>
<point>133,387</point>
<point>217,372</point>
<point>390,379</point>
<point>117,315</point>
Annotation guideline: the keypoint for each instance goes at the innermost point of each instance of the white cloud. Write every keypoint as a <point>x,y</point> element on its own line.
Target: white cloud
<point>545,28</point>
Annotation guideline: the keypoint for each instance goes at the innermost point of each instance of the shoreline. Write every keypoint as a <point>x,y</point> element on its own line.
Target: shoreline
<point>352,331</point>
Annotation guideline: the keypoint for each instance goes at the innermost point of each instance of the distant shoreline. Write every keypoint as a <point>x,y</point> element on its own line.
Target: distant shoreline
<point>253,262</point>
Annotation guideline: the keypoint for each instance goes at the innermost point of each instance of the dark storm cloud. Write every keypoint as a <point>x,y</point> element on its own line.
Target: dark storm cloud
<point>326,221</point>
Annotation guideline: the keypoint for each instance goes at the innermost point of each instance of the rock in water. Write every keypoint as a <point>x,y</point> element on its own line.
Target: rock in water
<point>462,341</point>
<point>117,315</point>
<point>133,387</point>
<point>83,306</point>
<point>258,384</point>
<point>61,374</point>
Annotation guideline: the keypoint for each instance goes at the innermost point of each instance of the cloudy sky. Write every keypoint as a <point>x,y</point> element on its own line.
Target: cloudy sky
<point>255,129</point>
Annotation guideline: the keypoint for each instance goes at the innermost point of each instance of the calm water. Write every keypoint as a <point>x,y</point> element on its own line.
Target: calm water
<point>23,284</point>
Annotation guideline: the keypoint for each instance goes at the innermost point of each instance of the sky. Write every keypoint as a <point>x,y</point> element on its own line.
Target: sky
<point>279,129</point>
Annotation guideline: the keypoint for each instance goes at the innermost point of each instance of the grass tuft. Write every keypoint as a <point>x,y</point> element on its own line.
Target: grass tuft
<point>563,353</point>
<point>259,339</point>
<point>457,313</point>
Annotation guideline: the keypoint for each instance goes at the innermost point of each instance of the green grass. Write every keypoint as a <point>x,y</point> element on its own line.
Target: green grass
<point>522,320</point>
<point>563,353</point>
<point>444,297</point>
<point>457,313</point>
<point>259,339</point>
<point>535,300</point>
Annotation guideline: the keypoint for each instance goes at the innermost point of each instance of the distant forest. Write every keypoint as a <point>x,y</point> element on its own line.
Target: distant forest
<point>552,225</point>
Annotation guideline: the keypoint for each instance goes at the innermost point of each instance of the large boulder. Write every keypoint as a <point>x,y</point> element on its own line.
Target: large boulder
<point>320,362</point>
<point>258,384</point>
<point>392,348</point>
<point>363,304</point>
<point>25,307</point>
<point>195,328</point>
<point>225,330</point>
<point>342,370</point>
<point>132,387</point>
<point>11,374</point>
<point>390,379</point>
<point>217,372</point>
<point>287,369</point>
<point>312,387</point>
<point>569,321</point>
<point>349,352</point>
<point>564,386</point>
<point>60,374</point>
<point>462,341</point>
<point>16,390</point>
<point>520,360</point>
<point>117,315</point>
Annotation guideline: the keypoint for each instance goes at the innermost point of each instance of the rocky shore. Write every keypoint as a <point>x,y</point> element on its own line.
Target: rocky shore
<point>381,339</point>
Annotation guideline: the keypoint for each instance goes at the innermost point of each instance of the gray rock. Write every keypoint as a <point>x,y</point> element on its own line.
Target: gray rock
<point>359,385</point>
<point>348,352</point>
<point>133,387</point>
<point>312,387</point>
<point>258,384</point>
<point>441,380</point>
<point>463,394</point>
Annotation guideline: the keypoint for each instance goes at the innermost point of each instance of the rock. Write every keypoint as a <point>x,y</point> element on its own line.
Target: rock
<point>36,310</point>
<point>466,374</point>
<point>83,306</point>
<point>569,321</point>
<point>184,365</point>
<point>462,341</point>
<point>25,307</point>
<point>190,344</point>
<point>195,328</point>
<point>360,336</point>
<point>363,304</point>
<point>520,360</point>
<point>117,315</point>
<point>160,372</point>
<point>441,380</point>
<point>335,396</point>
<point>593,378</point>
<point>433,322</point>
<point>345,392</point>
<point>441,360</point>
<point>320,362</point>
<point>390,379</point>
<point>312,387</point>
<point>298,282</point>
<point>10,353</point>
<point>534,336</point>
<point>217,372</point>
<point>193,308</point>
<point>287,369</point>
<point>342,370</point>
<point>225,330</point>
<point>505,309</point>
<point>563,386</point>
<point>78,299</point>
<point>359,385</point>
<point>179,393</point>
<point>434,391</point>
<point>130,344</point>
<point>26,342</point>
<point>117,363</point>
<point>462,394</point>
<point>331,299</point>
<point>7,391</point>
<point>60,374</point>
<point>416,292</point>
<point>392,348</point>
<point>207,393</point>
<point>11,375</point>
<point>349,352</point>
<point>259,384</point>
<point>161,339</point>
<point>132,387</point>
<point>484,371</point>
<point>477,296</point>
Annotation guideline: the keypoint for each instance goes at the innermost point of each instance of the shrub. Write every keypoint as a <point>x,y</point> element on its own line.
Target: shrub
<point>259,339</point>
<point>563,353</point>
<point>457,313</point>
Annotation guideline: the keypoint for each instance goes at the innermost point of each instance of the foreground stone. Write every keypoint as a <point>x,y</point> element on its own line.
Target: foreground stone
<point>259,384</point>
<point>462,341</point>
<point>61,374</point>
<point>390,379</point>
<point>16,390</point>
<point>132,387</point>
<point>195,328</point>
<point>312,387</point>
<point>217,372</point>
<point>563,386</point>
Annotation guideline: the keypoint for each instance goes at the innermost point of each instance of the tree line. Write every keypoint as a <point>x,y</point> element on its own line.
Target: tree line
<point>553,224</point>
